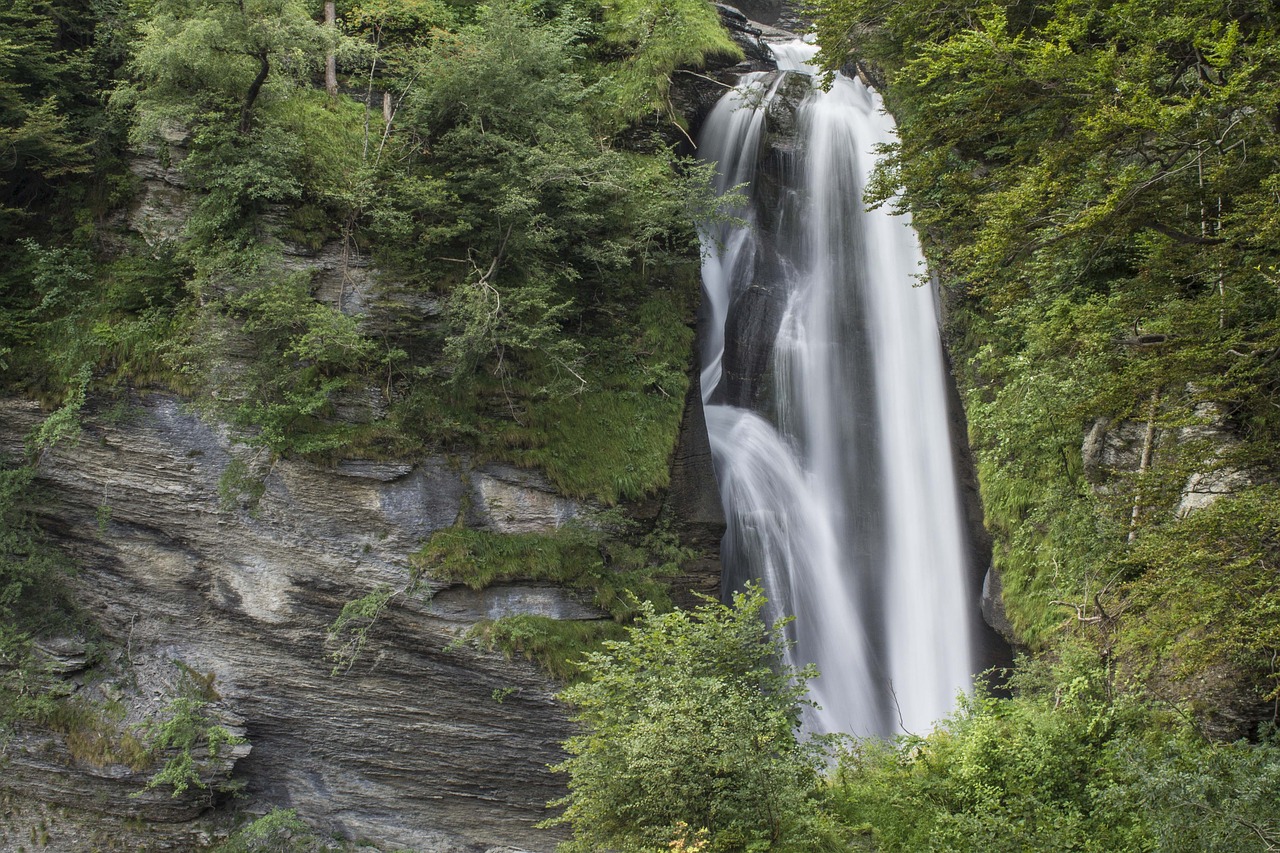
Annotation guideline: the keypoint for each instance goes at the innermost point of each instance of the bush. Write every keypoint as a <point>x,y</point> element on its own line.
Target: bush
<point>1066,763</point>
<point>692,736</point>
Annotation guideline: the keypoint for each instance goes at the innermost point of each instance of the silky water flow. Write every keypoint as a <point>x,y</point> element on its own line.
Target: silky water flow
<point>824,389</point>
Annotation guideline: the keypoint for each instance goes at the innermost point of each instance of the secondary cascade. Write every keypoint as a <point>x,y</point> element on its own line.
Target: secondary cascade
<point>824,388</point>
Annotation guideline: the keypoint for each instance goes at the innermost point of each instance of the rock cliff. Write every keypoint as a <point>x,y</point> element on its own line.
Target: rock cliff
<point>408,748</point>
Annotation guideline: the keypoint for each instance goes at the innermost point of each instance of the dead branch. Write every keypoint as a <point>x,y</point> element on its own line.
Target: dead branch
<point>1080,611</point>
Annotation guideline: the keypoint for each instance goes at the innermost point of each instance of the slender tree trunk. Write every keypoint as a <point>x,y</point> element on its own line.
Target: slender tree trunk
<point>246,112</point>
<point>387,111</point>
<point>330,57</point>
<point>1144,464</point>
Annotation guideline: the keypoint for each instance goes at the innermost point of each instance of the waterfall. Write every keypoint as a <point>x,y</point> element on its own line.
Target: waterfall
<point>824,387</point>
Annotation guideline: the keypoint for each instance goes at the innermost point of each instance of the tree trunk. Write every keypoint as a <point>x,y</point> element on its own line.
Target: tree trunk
<point>387,111</point>
<point>246,112</point>
<point>1144,464</point>
<point>330,57</point>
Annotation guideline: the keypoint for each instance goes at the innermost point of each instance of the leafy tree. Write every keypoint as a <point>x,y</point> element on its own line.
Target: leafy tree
<point>691,724</point>
<point>655,38</point>
<point>389,31</point>
<point>59,161</point>
<point>505,199</point>
<point>489,183</point>
<point>222,56</point>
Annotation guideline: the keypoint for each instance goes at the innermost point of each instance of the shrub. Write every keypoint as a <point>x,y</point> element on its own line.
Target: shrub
<point>691,735</point>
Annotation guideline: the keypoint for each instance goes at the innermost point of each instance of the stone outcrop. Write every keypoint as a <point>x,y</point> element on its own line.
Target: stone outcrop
<point>695,92</point>
<point>162,205</point>
<point>992,602</point>
<point>408,748</point>
<point>692,509</point>
<point>1114,449</point>
<point>755,313</point>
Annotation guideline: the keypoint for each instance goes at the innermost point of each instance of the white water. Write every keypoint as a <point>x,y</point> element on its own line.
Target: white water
<point>840,491</point>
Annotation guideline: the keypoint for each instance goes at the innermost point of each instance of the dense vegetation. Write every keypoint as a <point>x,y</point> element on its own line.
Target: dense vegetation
<point>691,739</point>
<point>1096,185</point>
<point>544,277</point>
<point>692,742</point>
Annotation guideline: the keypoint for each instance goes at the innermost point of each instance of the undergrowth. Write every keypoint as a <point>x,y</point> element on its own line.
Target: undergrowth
<point>616,574</point>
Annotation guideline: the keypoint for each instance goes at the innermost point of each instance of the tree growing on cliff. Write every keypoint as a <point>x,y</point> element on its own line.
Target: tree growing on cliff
<point>222,56</point>
<point>691,736</point>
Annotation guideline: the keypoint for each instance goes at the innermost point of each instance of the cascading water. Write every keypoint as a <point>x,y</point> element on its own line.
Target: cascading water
<point>823,383</point>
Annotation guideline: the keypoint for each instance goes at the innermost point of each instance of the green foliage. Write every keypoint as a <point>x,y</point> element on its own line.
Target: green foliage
<point>34,603</point>
<point>282,831</point>
<point>278,831</point>
<point>563,270</point>
<point>95,733</point>
<point>188,736</point>
<point>63,425</point>
<point>70,321</point>
<point>194,58</point>
<point>402,24</point>
<point>656,37</point>
<point>32,600</point>
<point>1206,593</point>
<point>619,575</point>
<point>1204,796</point>
<point>350,631</point>
<point>1067,763</point>
<point>237,487</point>
<point>692,723</point>
<point>519,214</point>
<point>999,775</point>
<point>56,58</point>
<point>557,646</point>
<point>616,441</point>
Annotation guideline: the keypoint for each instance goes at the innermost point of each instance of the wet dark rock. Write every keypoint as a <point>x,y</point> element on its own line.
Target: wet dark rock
<point>755,313</point>
<point>692,509</point>
<point>750,328</point>
<point>695,91</point>
<point>781,123</point>
<point>993,612</point>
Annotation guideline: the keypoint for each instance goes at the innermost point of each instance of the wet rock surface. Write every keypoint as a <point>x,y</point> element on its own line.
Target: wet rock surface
<point>756,312</point>
<point>692,509</point>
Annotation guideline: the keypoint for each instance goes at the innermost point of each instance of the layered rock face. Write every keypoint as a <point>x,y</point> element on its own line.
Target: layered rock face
<point>423,743</point>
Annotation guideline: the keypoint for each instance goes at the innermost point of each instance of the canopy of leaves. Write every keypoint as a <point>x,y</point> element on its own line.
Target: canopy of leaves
<point>511,203</point>
<point>692,724</point>
<point>219,56</point>
<point>52,70</point>
<point>656,39</point>
<point>551,276</point>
